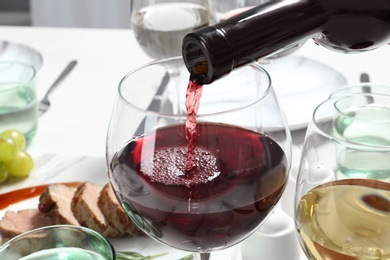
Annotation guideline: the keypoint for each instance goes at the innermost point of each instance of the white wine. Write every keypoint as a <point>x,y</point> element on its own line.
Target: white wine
<point>346,220</point>
<point>64,253</point>
<point>160,28</point>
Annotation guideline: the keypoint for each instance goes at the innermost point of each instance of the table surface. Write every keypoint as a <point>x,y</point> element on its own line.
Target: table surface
<point>75,126</point>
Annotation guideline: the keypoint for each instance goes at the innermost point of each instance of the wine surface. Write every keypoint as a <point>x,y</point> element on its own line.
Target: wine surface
<point>238,178</point>
<point>160,28</point>
<point>347,219</point>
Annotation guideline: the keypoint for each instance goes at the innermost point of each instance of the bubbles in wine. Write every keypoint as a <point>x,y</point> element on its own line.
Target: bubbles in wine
<point>168,166</point>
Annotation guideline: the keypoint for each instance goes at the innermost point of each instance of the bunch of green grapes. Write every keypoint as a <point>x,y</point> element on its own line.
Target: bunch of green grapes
<point>14,160</point>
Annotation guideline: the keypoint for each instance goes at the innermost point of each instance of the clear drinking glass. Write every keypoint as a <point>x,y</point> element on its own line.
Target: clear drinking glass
<point>160,25</point>
<point>58,242</point>
<point>242,152</point>
<point>18,101</point>
<point>342,204</point>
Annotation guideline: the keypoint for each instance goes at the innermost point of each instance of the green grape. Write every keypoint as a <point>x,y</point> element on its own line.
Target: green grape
<point>3,172</point>
<point>8,148</point>
<point>17,136</point>
<point>21,165</point>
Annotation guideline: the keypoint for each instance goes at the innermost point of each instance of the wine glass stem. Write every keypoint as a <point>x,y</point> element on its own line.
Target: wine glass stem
<point>201,256</point>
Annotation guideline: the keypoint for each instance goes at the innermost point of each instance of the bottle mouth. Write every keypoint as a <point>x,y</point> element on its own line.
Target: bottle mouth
<point>208,54</point>
<point>196,60</point>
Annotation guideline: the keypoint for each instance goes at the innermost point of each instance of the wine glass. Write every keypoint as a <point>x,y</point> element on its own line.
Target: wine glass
<point>242,151</point>
<point>159,27</point>
<point>342,204</point>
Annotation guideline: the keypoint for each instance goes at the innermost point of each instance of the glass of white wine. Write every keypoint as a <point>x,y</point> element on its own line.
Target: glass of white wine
<point>159,27</point>
<point>342,204</point>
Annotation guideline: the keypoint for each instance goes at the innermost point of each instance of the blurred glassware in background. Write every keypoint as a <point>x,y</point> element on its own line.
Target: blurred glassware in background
<point>159,26</point>
<point>18,101</point>
<point>17,52</point>
<point>58,242</point>
<point>364,121</point>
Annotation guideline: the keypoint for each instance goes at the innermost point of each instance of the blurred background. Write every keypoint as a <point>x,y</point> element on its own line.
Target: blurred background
<point>68,13</point>
<point>15,12</point>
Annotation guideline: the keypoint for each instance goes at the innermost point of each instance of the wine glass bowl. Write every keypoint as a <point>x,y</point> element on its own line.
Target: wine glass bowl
<point>242,153</point>
<point>343,193</point>
<point>159,26</point>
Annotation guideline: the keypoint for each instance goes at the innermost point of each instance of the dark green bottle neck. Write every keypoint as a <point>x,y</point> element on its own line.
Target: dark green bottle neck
<point>213,51</point>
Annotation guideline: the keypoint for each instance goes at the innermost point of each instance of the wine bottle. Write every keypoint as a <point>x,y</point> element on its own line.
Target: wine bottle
<point>347,26</point>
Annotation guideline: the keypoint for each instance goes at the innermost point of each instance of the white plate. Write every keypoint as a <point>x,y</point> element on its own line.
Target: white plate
<point>50,169</point>
<point>143,245</point>
<point>54,168</point>
<point>10,51</point>
<point>301,84</point>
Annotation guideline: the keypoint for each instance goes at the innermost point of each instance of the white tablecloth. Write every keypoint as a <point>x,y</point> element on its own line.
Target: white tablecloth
<point>75,126</point>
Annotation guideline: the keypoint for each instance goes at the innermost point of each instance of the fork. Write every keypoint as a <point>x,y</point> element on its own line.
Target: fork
<point>44,104</point>
<point>365,78</point>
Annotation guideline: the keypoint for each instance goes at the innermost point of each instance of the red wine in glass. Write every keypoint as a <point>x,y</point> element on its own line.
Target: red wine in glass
<point>237,173</point>
<point>239,177</point>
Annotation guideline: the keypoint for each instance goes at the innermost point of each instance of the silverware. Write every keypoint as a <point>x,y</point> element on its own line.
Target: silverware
<point>365,78</point>
<point>156,102</point>
<point>44,105</point>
